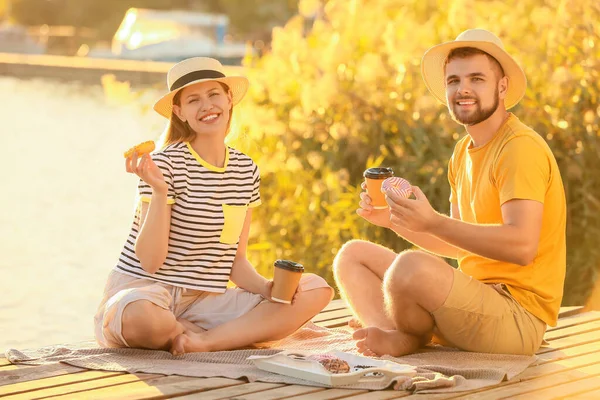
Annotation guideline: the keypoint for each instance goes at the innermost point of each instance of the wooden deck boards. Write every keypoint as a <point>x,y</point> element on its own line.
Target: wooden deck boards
<point>568,368</point>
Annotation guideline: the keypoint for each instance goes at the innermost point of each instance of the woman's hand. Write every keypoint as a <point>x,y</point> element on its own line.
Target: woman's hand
<point>269,287</point>
<point>148,171</point>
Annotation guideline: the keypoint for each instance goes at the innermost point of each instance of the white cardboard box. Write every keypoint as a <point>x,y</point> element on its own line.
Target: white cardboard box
<point>362,369</point>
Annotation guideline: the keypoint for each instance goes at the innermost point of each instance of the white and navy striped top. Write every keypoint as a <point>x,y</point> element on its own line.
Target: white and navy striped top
<point>208,210</point>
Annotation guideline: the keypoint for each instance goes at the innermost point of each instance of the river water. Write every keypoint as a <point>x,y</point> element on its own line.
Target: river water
<point>65,203</point>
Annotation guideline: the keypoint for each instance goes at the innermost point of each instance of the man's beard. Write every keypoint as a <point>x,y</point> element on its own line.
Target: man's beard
<point>478,115</point>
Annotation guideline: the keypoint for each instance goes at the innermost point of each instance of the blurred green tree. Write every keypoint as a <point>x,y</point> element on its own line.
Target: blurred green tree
<point>346,94</point>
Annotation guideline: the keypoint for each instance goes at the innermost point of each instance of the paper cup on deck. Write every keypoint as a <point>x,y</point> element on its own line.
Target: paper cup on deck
<point>285,280</point>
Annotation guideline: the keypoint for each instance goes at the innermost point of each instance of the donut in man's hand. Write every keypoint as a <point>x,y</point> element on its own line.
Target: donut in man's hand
<point>397,185</point>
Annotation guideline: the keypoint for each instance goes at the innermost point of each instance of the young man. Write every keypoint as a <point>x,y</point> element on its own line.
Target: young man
<point>506,229</point>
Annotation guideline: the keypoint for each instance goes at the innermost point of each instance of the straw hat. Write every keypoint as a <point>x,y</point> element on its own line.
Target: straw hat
<point>195,70</point>
<point>432,65</point>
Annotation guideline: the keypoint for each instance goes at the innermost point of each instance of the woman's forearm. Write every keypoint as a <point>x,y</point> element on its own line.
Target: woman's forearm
<point>245,276</point>
<point>152,243</point>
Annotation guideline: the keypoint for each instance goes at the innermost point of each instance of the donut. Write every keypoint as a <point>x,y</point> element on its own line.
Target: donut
<point>331,363</point>
<point>142,148</point>
<point>397,185</point>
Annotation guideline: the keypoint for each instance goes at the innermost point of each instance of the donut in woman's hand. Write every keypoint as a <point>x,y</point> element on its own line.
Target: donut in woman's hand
<point>397,185</point>
<point>142,148</point>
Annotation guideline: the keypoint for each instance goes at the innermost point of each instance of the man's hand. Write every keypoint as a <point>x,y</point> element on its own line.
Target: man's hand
<point>416,215</point>
<point>366,210</point>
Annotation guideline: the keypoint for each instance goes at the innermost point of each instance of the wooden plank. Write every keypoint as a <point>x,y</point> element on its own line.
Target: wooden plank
<point>158,387</point>
<point>69,384</point>
<point>385,394</point>
<point>331,315</point>
<point>569,352</point>
<point>555,391</point>
<point>556,366</point>
<point>57,382</point>
<point>575,320</point>
<point>26,373</point>
<point>570,341</point>
<point>4,362</point>
<point>281,392</point>
<point>573,330</point>
<point>233,391</point>
<point>331,394</point>
<point>585,395</point>
<point>336,304</point>
<point>335,323</point>
<point>570,310</point>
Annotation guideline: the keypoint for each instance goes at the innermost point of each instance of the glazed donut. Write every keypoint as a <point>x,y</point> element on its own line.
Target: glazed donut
<point>397,185</point>
<point>142,148</point>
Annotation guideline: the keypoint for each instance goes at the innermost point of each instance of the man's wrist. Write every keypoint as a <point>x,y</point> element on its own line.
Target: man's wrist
<point>438,224</point>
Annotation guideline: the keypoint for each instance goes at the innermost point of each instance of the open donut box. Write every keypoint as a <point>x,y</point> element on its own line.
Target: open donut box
<point>298,364</point>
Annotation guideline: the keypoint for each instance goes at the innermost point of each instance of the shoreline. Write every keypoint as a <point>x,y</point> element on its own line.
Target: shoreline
<point>85,69</point>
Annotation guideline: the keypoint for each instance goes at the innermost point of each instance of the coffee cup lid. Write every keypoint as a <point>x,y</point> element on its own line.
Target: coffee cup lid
<point>378,173</point>
<point>289,265</point>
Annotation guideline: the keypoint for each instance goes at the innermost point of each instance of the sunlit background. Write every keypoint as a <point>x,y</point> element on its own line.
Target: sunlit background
<point>335,88</point>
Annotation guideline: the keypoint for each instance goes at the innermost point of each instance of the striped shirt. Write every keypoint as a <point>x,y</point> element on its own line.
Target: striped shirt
<point>209,206</point>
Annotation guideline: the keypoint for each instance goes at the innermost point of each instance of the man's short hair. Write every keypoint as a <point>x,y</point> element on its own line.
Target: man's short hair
<point>466,52</point>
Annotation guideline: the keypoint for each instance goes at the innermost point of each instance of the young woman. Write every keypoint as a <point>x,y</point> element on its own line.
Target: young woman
<point>189,236</point>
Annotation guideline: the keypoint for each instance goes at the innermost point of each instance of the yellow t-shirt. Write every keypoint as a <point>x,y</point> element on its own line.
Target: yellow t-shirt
<point>516,164</point>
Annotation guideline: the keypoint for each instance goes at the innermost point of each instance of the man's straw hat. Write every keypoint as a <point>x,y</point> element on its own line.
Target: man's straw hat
<point>432,65</point>
<point>195,70</point>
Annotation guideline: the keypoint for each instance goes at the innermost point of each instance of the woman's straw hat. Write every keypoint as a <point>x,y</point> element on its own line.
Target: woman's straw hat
<point>195,70</point>
<point>432,65</point>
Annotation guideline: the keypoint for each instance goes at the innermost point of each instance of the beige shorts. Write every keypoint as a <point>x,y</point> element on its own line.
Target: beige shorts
<point>486,318</point>
<point>205,309</point>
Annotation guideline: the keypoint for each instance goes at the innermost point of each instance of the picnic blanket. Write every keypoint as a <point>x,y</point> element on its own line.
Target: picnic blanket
<point>439,369</point>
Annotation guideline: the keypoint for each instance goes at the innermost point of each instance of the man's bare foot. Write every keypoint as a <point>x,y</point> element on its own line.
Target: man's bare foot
<point>190,326</point>
<point>189,342</point>
<point>377,342</point>
<point>355,324</point>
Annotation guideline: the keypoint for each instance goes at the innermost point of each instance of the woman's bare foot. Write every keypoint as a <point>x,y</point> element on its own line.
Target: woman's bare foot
<point>377,342</point>
<point>189,342</point>
<point>355,323</point>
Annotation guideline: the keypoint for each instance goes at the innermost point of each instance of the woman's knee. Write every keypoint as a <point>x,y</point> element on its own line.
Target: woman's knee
<point>316,290</point>
<point>143,320</point>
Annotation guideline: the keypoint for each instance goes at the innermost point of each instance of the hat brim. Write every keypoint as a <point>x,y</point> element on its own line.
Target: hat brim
<point>237,84</point>
<point>432,69</point>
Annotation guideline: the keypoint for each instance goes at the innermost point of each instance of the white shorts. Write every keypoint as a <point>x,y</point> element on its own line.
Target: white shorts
<point>205,309</point>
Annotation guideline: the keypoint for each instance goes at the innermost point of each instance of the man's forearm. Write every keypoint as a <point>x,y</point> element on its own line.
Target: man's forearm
<point>497,242</point>
<point>427,242</point>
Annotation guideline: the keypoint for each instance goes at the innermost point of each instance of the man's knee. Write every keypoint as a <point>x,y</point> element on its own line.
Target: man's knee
<point>347,256</point>
<point>407,271</point>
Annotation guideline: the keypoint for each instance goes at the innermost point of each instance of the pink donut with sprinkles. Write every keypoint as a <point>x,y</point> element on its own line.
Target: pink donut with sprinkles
<point>397,185</point>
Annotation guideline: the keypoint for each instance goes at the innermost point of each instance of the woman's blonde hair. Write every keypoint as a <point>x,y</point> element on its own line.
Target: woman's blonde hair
<point>179,131</point>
